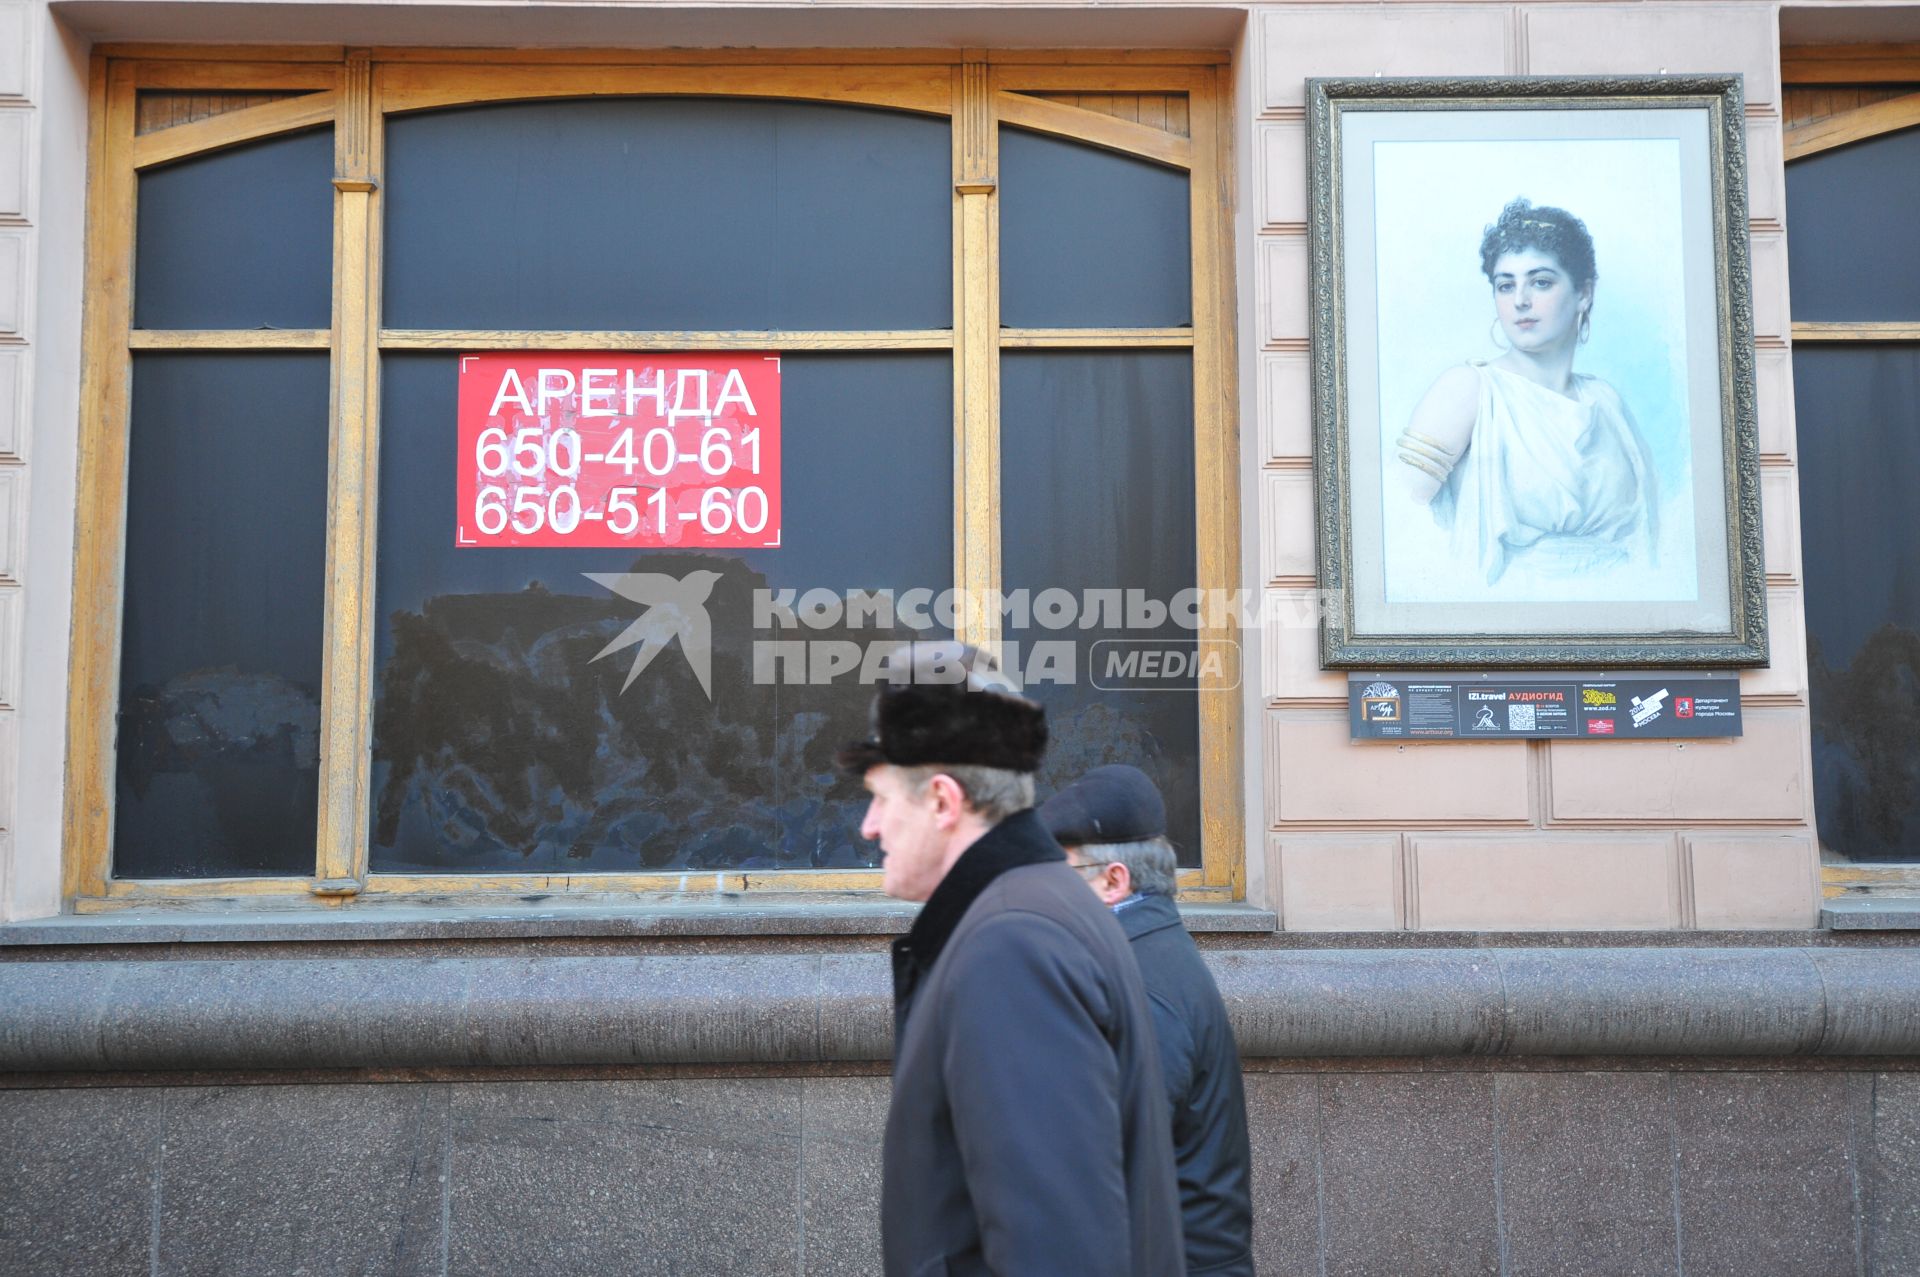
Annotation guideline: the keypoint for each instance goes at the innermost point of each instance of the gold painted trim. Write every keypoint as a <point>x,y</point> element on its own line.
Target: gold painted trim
<point>1850,63</point>
<point>219,132</point>
<point>1868,880</point>
<point>1092,338</point>
<point>1054,78</point>
<point>100,504</point>
<point>229,75</point>
<point>767,339</point>
<point>346,680</point>
<point>163,51</point>
<point>1857,125</point>
<point>1093,128</point>
<point>1217,489</point>
<point>172,889</point>
<point>976,365</point>
<point>417,87</point>
<point>1899,330</point>
<point>229,339</point>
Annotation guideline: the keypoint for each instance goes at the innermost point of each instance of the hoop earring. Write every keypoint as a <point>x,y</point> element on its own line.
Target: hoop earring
<point>1499,338</point>
<point>1586,326</point>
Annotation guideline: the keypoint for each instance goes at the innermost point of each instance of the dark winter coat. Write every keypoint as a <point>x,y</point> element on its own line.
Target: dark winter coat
<point>1028,1132</point>
<point>1201,1066</point>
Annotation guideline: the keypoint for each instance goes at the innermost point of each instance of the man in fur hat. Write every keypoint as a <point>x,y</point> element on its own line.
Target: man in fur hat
<point>1028,1132</point>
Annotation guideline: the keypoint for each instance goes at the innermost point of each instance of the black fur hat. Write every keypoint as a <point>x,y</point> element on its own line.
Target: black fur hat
<point>948,703</point>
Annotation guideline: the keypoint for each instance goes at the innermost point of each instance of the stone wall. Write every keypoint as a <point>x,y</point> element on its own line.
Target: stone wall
<point>1403,1169</point>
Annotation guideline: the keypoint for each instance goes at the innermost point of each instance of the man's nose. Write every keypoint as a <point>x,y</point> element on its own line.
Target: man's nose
<point>868,828</point>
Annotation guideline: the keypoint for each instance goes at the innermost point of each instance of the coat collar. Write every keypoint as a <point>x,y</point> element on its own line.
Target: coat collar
<point>1152,913</point>
<point>1018,840</point>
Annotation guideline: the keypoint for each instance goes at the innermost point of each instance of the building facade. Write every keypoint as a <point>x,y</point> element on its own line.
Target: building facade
<point>366,906</point>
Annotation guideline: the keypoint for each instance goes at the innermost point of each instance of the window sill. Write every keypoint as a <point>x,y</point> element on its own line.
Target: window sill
<point>1878,913</point>
<point>668,916</point>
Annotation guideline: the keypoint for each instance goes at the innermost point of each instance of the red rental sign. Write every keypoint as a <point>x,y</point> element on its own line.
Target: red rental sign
<point>602,450</point>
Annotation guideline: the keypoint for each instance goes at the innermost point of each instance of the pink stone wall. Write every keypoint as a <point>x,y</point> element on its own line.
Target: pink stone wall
<point>1537,835</point>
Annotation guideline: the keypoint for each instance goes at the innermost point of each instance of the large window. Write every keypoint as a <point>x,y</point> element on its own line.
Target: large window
<point>1853,183</point>
<point>995,294</point>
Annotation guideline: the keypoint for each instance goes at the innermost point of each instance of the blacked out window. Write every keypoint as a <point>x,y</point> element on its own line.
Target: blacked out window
<point>241,238</point>
<point>1096,485</point>
<point>1090,239</point>
<point>221,630</point>
<point>668,213</point>
<point>1856,262</point>
<point>501,743</point>
<point>513,730</point>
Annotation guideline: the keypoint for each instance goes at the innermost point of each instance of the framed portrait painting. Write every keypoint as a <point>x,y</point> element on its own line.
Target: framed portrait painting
<point>1533,374</point>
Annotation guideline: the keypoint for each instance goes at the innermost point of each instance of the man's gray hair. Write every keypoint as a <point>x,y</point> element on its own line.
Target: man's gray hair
<point>994,792</point>
<point>1150,862</point>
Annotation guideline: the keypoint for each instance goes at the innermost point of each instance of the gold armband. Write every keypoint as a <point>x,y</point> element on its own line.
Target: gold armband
<point>1427,455</point>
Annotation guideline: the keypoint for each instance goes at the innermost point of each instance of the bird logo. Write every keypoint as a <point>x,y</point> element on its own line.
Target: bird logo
<point>676,608</point>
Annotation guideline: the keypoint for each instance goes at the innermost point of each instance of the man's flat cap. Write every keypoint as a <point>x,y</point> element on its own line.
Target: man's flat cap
<point>1116,803</point>
<point>948,704</point>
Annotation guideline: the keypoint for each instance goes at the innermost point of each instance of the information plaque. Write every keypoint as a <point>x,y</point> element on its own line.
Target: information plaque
<point>1542,706</point>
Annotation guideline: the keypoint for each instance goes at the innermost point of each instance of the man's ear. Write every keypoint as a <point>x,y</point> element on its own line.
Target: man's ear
<point>949,800</point>
<point>1122,878</point>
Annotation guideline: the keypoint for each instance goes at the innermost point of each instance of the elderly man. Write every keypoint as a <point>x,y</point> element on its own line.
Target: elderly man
<point>1113,824</point>
<point>1028,1130</point>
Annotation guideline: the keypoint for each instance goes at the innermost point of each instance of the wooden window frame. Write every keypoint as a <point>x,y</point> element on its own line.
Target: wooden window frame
<point>354,90</point>
<point>1835,66</point>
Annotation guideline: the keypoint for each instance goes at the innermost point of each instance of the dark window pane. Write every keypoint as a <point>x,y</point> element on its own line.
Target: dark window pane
<point>238,239</point>
<point>1858,411</point>
<point>661,213</point>
<point>221,630</point>
<point>1096,489</point>
<point>1090,239</point>
<point>500,743</point>
<point>1856,244</point>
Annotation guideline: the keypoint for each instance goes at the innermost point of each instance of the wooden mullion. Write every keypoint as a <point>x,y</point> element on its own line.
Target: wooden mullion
<point>1216,494</point>
<point>229,339</point>
<point>766,339</point>
<point>1875,331</point>
<point>976,327</point>
<point>1093,338</point>
<point>346,695</point>
<point>100,505</point>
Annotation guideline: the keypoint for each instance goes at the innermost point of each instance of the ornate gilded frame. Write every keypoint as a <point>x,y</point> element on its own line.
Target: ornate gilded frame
<point>1343,644</point>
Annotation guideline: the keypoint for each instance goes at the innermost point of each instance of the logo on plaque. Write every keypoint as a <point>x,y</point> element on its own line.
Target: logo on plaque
<point>1380,703</point>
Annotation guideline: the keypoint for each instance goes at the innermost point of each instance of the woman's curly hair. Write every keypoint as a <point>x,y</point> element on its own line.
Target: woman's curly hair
<point>1552,231</point>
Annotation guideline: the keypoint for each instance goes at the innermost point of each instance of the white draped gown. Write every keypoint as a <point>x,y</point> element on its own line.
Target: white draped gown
<point>1553,484</point>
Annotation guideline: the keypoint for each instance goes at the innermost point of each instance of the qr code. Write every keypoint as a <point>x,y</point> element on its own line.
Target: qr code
<point>1520,718</point>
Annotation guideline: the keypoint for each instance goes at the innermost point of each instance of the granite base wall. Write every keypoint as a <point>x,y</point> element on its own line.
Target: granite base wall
<point>1398,1168</point>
